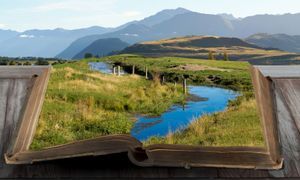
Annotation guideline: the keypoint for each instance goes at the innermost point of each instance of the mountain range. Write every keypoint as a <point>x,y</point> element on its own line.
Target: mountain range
<point>42,43</point>
<point>168,23</point>
<point>102,47</point>
<point>201,46</point>
<point>280,41</point>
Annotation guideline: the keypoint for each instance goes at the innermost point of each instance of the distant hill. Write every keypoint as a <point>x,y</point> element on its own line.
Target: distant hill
<point>43,43</point>
<point>131,34</point>
<point>265,23</point>
<point>7,34</point>
<point>279,41</point>
<point>200,46</point>
<point>102,47</point>
<point>193,23</point>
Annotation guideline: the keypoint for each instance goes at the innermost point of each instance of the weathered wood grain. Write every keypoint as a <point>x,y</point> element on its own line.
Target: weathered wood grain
<point>25,72</point>
<point>17,97</point>
<point>27,125</point>
<point>106,167</point>
<point>286,71</point>
<point>4,86</point>
<point>287,93</point>
<point>265,101</point>
<point>15,86</point>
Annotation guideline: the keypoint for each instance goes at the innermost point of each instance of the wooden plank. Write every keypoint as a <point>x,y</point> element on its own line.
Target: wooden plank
<point>290,91</point>
<point>17,98</point>
<point>227,173</point>
<point>27,126</point>
<point>4,86</point>
<point>106,167</point>
<point>279,71</point>
<point>287,101</point>
<point>13,93</point>
<point>21,72</point>
<point>265,100</point>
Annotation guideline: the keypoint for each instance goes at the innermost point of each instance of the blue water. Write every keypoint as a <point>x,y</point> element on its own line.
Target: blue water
<point>177,118</point>
<point>103,67</point>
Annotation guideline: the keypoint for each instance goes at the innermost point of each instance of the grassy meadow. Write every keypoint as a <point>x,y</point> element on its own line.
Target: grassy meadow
<point>239,125</point>
<point>82,104</point>
<point>229,74</point>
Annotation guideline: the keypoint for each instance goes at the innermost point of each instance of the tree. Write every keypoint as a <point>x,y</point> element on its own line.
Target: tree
<point>3,62</point>
<point>42,62</point>
<point>211,55</point>
<point>88,55</point>
<point>27,63</point>
<point>226,58</point>
<point>12,63</point>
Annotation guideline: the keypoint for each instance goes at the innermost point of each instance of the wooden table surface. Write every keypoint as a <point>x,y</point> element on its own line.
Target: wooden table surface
<point>118,166</point>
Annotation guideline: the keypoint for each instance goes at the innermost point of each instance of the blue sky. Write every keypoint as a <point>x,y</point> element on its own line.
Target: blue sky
<point>70,14</point>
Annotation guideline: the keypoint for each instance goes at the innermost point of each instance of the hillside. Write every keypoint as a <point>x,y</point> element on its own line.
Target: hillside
<point>102,47</point>
<point>281,41</point>
<point>200,46</point>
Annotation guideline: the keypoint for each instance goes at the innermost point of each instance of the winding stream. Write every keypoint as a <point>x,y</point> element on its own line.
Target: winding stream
<point>177,117</point>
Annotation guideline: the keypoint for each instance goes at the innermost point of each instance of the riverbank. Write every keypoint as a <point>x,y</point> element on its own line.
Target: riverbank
<point>180,116</point>
<point>226,74</point>
<point>239,125</point>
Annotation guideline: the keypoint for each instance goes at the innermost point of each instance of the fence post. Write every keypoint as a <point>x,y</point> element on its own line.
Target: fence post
<point>146,69</point>
<point>114,70</point>
<point>184,86</point>
<point>119,71</point>
<point>133,69</point>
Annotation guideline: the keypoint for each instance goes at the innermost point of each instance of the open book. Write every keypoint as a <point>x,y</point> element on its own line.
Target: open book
<point>22,91</point>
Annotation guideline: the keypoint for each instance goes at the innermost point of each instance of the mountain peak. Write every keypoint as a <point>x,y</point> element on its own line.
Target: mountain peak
<point>162,16</point>
<point>227,16</point>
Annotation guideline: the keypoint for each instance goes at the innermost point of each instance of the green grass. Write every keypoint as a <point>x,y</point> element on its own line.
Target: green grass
<point>237,126</point>
<point>229,74</point>
<point>82,104</point>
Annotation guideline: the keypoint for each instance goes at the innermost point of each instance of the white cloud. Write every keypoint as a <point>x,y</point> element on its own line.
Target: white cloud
<point>127,34</point>
<point>131,14</point>
<point>2,26</point>
<point>76,5</point>
<point>26,36</point>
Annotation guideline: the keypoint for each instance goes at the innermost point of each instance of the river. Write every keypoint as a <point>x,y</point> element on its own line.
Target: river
<point>178,117</point>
